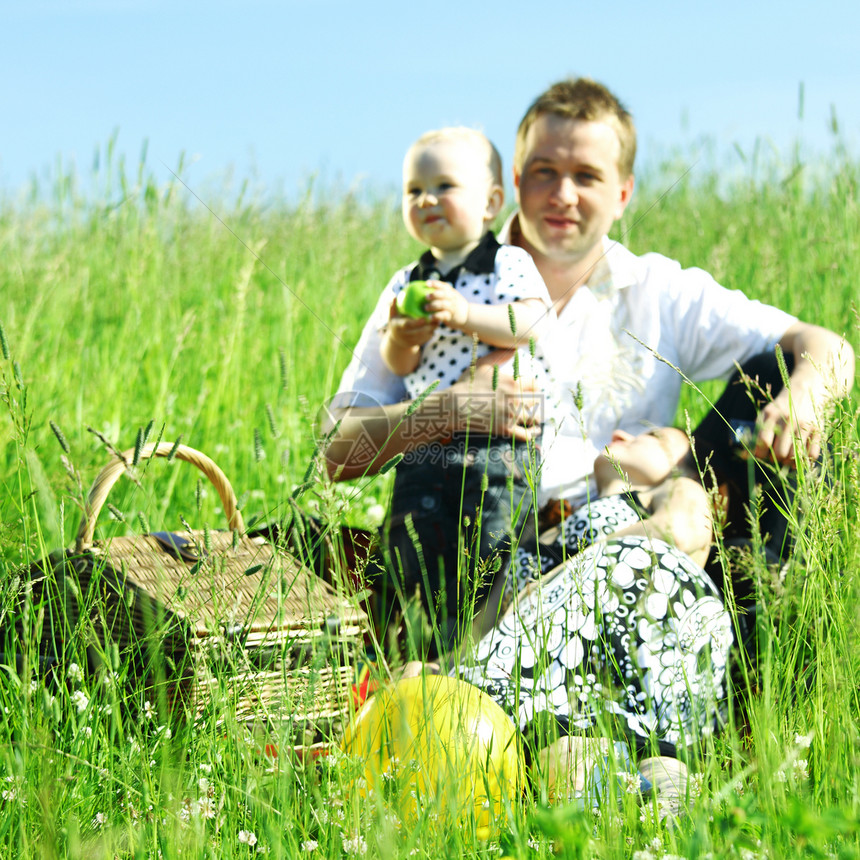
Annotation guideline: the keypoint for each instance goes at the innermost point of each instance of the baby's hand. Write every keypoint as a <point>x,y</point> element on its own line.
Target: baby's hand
<point>446,305</point>
<point>406,331</point>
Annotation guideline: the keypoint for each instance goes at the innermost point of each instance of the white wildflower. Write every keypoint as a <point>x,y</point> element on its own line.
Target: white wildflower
<point>357,845</point>
<point>656,844</point>
<point>376,514</point>
<point>697,784</point>
<point>206,808</point>
<point>148,710</point>
<point>87,731</point>
<point>801,769</point>
<point>803,741</point>
<point>780,776</point>
<point>80,700</point>
<point>309,845</point>
<point>73,672</point>
<point>9,794</point>
<point>643,855</point>
<point>630,781</point>
<point>203,785</point>
<point>247,837</point>
<point>99,820</point>
<point>205,767</point>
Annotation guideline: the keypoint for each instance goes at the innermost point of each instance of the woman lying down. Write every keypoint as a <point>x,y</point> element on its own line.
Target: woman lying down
<point>620,652</point>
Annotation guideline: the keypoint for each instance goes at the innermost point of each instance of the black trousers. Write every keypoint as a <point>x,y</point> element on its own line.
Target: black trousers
<point>454,510</point>
<point>748,390</point>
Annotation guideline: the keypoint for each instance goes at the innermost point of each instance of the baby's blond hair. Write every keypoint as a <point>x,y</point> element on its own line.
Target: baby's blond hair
<point>467,135</point>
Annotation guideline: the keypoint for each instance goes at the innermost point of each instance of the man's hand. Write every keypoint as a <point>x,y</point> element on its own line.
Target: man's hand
<point>789,426</point>
<point>471,403</point>
<point>513,408</point>
<point>786,431</point>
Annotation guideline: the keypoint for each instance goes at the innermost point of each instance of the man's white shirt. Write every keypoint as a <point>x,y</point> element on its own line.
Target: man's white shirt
<point>621,349</point>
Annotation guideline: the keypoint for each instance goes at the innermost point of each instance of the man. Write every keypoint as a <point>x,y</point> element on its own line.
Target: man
<point>621,318</point>
<point>627,316</point>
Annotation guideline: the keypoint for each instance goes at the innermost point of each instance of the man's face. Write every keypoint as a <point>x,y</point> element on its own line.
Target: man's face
<point>569,189</point>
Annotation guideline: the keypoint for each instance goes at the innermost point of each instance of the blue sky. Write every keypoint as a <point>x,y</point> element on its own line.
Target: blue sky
<point>282,91</point>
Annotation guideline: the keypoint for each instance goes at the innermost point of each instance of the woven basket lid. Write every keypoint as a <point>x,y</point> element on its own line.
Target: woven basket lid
<point>236,583</point>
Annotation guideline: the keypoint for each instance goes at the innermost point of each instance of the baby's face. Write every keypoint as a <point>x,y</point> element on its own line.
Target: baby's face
<point>647,459</point>
<point>447,193</point>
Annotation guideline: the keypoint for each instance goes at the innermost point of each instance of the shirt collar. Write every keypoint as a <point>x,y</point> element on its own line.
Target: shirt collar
<point>481,261</point>
<point>616,269</point>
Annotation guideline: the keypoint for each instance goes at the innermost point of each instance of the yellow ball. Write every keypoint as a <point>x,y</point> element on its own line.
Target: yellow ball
<point>439,746</point>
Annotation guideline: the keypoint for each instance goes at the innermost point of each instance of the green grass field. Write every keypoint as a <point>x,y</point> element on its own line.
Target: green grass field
<point>228,324</point>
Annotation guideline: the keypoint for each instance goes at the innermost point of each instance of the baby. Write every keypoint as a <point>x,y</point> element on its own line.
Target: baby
<point>452,193</point>
<point>481,295</point>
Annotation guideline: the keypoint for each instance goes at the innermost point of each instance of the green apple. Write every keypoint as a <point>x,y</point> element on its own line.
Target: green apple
<point>410,302</point>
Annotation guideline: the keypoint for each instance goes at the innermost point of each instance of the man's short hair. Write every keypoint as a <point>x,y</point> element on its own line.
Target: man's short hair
<point>469,135</point>
<point>585,99</point>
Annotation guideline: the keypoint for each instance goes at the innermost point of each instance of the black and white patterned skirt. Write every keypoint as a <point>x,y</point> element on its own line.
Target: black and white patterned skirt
<point>593,521</point>
<point>629,635</point>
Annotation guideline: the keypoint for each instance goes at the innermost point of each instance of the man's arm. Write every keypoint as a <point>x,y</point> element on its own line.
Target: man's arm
<point>363,439</point>
<point>823,371</point>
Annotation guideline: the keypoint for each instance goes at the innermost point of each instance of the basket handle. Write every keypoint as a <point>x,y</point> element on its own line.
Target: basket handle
<point>111,473</point>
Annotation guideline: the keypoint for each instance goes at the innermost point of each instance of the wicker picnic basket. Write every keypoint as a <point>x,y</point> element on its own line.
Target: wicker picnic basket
<point>220,624</point>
